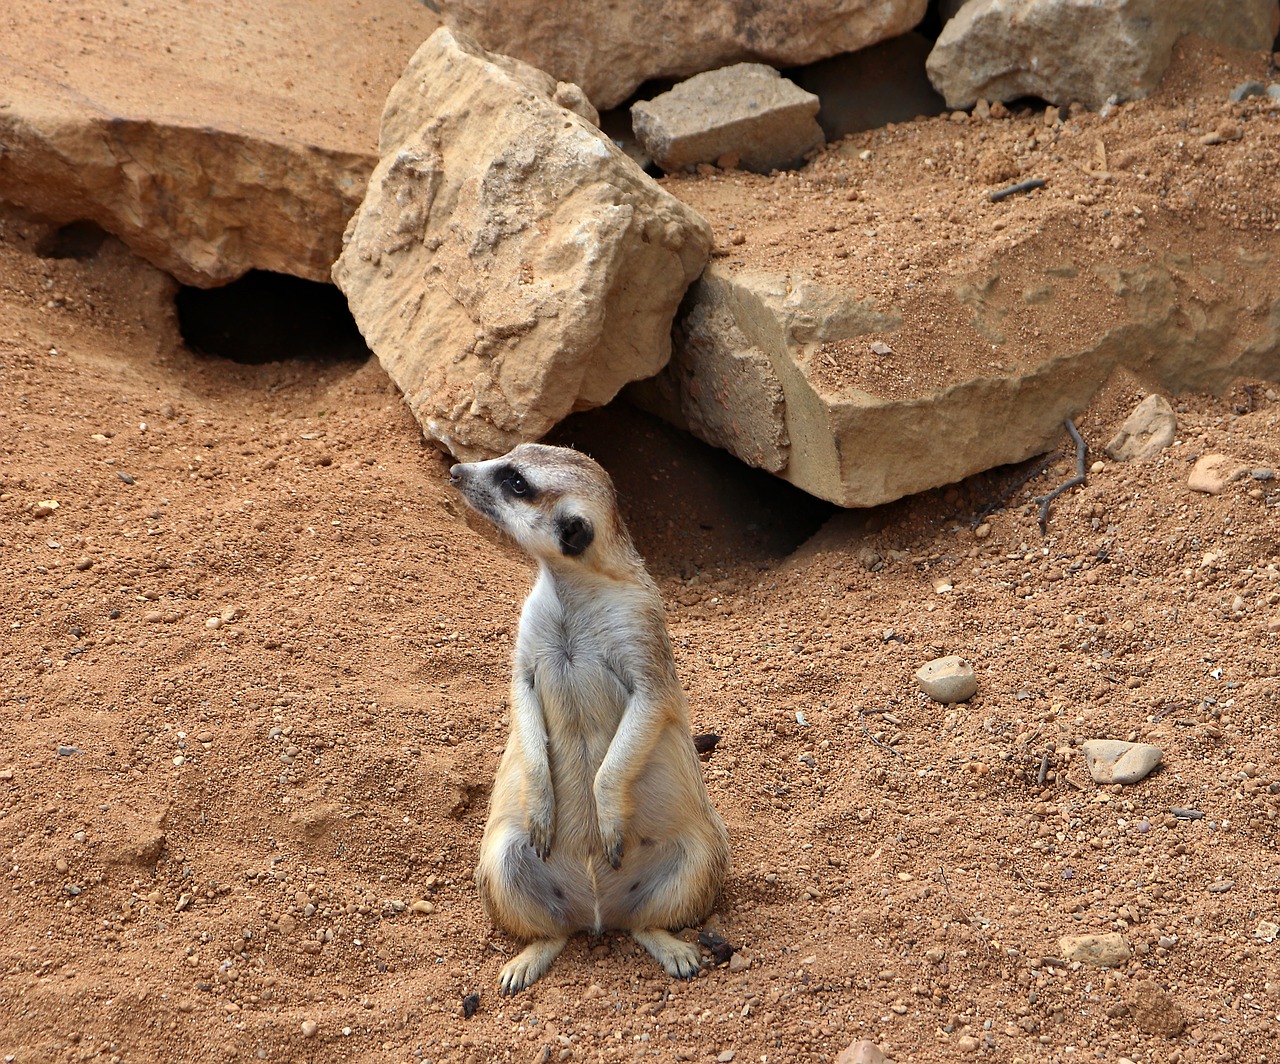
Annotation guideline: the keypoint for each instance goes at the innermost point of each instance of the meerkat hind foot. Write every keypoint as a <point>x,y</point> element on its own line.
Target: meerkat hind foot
<point>680,959</point>
<point>530,964</point>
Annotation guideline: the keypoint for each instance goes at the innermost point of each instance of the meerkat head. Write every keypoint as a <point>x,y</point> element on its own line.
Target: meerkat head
<point>555,502</point>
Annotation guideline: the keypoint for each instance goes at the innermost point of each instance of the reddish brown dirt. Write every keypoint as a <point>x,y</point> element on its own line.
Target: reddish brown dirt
<point>253,680</point>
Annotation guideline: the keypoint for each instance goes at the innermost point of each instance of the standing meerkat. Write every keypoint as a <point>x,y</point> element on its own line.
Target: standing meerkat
<point>600,818</point>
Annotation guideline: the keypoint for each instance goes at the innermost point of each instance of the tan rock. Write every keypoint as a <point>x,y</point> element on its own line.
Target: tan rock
<point>610,48</point>
<point>948,680</point>
<point>1146,432</point>
<point>1213,472</point>
<point>1085,51</point>
<point>748,111</point>
<point>863,1051</point>
<point>231,143</point>
<point>1108,950</point>
<point>509,264</point>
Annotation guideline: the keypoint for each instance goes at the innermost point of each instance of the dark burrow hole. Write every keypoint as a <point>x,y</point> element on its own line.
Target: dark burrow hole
<point>75,240</point>
<point>269,317</point>
<point>689,505</point>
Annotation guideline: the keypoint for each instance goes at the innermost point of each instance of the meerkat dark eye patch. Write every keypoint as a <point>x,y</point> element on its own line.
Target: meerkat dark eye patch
<point>510,480</point>
<point>576,535</point>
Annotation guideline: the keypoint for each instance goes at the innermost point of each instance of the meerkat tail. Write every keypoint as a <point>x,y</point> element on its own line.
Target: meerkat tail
<point>680,959</point>
<point>529,965</point>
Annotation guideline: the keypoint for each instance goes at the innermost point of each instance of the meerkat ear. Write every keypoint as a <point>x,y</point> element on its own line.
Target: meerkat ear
<point>576,535</point>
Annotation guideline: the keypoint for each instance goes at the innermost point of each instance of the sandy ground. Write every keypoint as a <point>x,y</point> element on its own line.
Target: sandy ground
<point>252,685</point>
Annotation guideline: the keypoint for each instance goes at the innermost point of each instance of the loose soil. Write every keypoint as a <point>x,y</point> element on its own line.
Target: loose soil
<point>255,663</point>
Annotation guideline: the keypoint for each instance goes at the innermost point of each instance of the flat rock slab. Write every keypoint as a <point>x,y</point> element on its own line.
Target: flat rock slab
<point>1108,950</point>
<point>947,680</point>
<point>510,265</point>
<point>861,398</point>
<point>1213,472</point>
<point>610,48</point>
<point>212,139</point>
<point>1080,51</point>
<point>747,111</point>
<point>1146,432</point>
<point>1115,761</point>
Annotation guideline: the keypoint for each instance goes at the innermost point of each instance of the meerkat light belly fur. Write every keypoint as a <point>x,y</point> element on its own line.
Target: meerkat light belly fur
<point>599,818</point>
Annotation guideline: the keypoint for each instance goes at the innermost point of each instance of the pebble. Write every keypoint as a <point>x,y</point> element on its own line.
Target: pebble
<point>1266,931</point>
<point>966,1043</point>
<point>1221,886</point>
<point>310,1028</point>
<point>739,962</point>
<point>1107,950</point>
<point>68,751</point>
<point>1213,472</point>
<point>1246,89</point>
<point>947,680</point>
<point>154,617</point>
<point>1115,761</point>
<point>1262,473</point>
<point>84,564</point>
<point>863,1051</point>
<point>422,906</point>
<point>1155,1012</point>
<point>725,1056</point>
<point>1146,432</point>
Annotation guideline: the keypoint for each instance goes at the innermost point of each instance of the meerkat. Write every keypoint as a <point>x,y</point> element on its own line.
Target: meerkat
<point>599,818</point>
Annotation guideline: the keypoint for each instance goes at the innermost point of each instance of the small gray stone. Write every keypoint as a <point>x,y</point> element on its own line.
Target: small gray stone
<point>1146,432</point>
<point>1115,761</point>
<point>1262,473</point>
<point>1246,89</point>
<point>1273,90</point>
<point>1102,951</point>
<point>947,680</point>
<point>747,110</point>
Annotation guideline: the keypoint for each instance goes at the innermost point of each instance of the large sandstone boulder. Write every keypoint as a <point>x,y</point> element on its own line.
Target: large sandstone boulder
<point>755,369</point>
<point>509,264</point>
<point>212,139</point>
<point>610,48</point>
<point>1085,51</point>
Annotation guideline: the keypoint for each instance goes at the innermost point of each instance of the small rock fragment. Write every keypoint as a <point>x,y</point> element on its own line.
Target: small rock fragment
<point>310,1028</point>
<point>1102,951</point>
<point>1213,472</point>
<point>748,110</point>
<point>1115,761</point>
<point>1246,89</point>
<point>863,1051</point>
<point>1146,432</point>
<point>1265,931</point>
<point>1154,1011</point>
<point>469,1005</point>
<point>947,680</point>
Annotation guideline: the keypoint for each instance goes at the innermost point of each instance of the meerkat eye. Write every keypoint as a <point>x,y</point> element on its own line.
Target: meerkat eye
<point>516,484</point>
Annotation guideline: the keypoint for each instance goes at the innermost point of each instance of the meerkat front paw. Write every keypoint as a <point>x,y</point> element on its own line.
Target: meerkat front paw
<point>612,841</point>
<point>541,827</point>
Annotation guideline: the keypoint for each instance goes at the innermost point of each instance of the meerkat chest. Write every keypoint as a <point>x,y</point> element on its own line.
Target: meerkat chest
<point>576,658</point>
